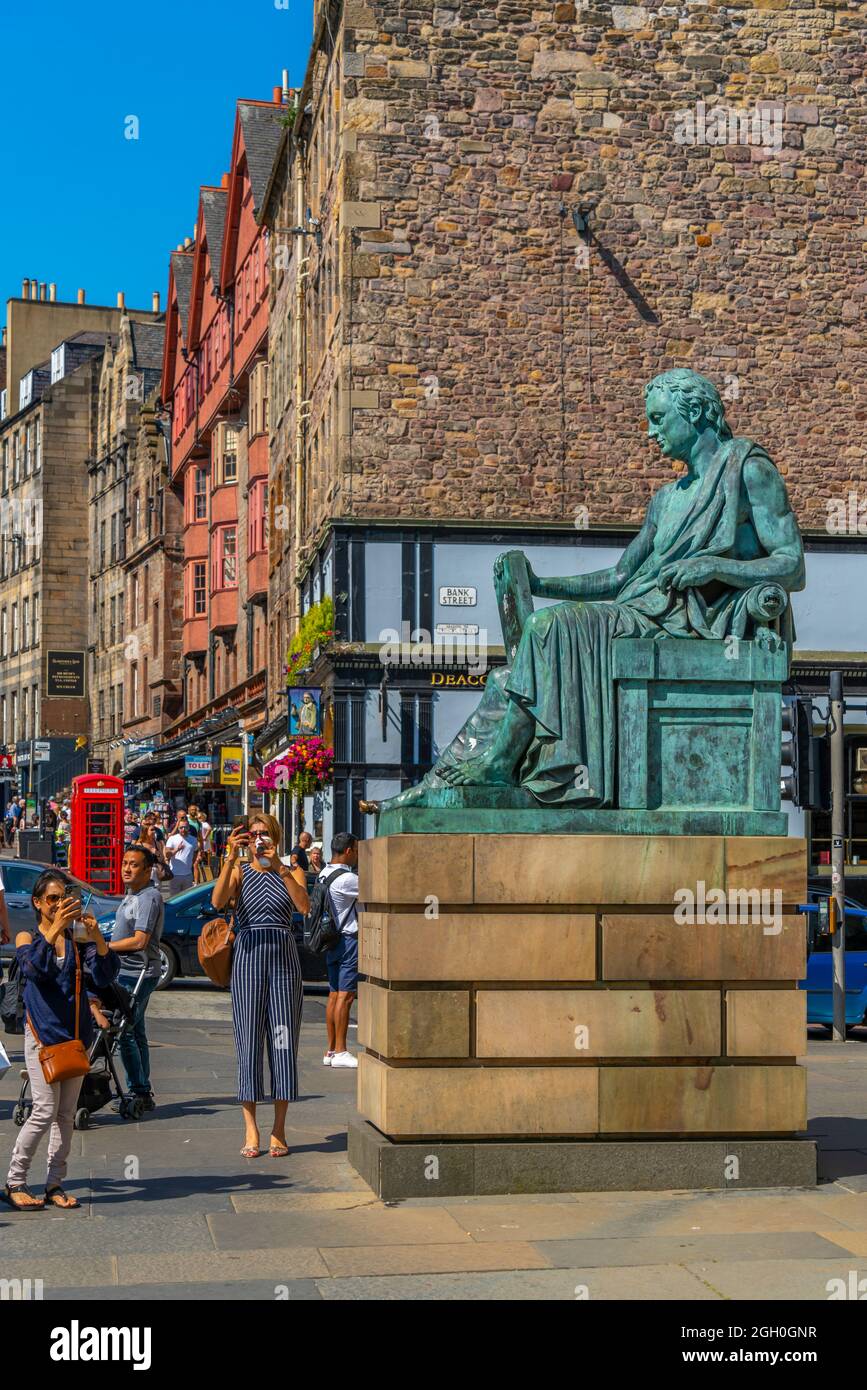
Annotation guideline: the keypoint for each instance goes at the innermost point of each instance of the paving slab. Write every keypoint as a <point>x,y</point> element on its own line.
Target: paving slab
<point>769,1281</point>
<point>653,1250</point>
<point>362,1226</point>
<point>234,1291</point>
<point>667,1283</point>
<point>77,1233</point>
<point>73,1271</point>
<point>218,1266</point>
<point>433,1259</point>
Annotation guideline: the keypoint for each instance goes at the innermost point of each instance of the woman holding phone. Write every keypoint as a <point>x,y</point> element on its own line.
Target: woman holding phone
<point>266,972</point>
<point>59,960</point>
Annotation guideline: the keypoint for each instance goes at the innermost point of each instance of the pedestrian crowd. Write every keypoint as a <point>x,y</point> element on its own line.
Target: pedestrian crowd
<point>71,975</point>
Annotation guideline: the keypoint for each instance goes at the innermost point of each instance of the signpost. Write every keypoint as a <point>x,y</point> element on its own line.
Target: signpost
<point>838,855</point>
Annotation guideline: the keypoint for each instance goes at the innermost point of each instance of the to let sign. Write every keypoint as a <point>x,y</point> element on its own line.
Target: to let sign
<point>457,596</point>
<point>64,677</point>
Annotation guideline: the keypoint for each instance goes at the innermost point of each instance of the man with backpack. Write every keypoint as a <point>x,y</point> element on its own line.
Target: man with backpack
<point>334,912</point>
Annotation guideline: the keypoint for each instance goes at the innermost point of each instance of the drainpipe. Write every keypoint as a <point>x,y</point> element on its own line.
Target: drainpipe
<point>300,365</point>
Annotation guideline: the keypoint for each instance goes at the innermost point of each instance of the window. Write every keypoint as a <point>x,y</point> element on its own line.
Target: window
<point>133,612</point>
<point>36,620</point>
<point>37,444</point>
<point>113,551</point>
<point>257,514</point>
<point>225,455</point>
<point>14,628</point>
<point>4,633</point>
<point>224,558</point>
<point>4,556</point>
<point>258,423</point>
<point>25,713</point>
<point>35,711</point>
<point>16,462</point>
<point>100,704</point>
<point>25,624</point>
<point>136,513</point>
<point>112,620</point>
<point>155,628</point>
<point>120,617</point>
<point>198,594</point>
<point>14,716</point>
<point>102,545</point>
<point>28,450</point>
<point>133,684</point>
<point>118,709</point>
<point>4,474</point>
<point>101,630</point>
<point>4,720</point>
<point>200,495</point>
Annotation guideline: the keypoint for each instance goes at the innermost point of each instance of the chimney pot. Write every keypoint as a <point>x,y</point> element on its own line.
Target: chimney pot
<point>3,342</point>
<point>278,95</point>
<point>52,292</point>
<point>42,289</point>
<point>34,289</point>
<point>224,181</point>
<point>155,301</point>
<point>120,300</point>
<point>81,296</point>
<point>25,289</point>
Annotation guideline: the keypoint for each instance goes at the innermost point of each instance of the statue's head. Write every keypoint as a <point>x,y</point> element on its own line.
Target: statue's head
<point>681,406</point>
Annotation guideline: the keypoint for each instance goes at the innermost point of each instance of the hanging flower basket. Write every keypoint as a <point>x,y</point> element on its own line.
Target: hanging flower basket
<point>307,767</point>
<point>316,630</point>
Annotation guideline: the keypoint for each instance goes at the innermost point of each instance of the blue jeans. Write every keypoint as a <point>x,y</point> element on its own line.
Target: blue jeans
<point>134,1051</point>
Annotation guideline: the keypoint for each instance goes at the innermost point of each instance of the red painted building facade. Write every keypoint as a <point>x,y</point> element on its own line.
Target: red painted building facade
<point>215,387</point>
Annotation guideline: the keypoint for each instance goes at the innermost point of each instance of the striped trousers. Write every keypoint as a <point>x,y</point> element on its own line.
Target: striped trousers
<point>266,1010</point>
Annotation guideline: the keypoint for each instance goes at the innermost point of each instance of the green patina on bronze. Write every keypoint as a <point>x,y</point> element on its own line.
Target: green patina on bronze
<point>647,700</point>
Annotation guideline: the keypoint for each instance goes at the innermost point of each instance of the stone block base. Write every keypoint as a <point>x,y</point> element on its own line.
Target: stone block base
<point>593,995</point>
<point>437,1168</point>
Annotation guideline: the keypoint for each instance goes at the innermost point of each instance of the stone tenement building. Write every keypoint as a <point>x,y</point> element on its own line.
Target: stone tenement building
<point>130,371</point>
<point>54,353</point>
<point>519,214</point>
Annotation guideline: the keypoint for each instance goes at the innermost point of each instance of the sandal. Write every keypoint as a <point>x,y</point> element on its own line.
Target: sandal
<point>10,1193</point>
<point>66,1203</point>
<point>250,1151</point>
<point>278,1151</point>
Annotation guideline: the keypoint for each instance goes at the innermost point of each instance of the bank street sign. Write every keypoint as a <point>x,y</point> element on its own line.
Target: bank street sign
<point>458,596</point>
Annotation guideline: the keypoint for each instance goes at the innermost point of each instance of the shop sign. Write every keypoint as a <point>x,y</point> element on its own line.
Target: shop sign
<point>231,760</point>
<point>64,677</point>
<point>305,711</point>
<point>197,768</point>
<point>451,680</point>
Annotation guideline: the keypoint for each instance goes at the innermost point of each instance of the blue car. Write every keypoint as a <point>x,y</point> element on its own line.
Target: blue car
<point>820,967</point>
<point>186,914</point>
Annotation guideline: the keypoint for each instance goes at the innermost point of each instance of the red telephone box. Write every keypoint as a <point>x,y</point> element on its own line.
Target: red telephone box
<point>96,831</point>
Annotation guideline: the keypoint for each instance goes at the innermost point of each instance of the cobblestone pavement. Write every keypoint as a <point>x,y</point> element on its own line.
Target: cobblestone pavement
<point>171,1210</point>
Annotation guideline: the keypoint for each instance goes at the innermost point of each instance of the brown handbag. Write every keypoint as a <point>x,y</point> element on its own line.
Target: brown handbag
<point>215,950</point>
<point>67,1060</point>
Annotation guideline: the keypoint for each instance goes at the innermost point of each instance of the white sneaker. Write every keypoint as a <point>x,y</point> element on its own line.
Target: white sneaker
<point>327,1059</point>
<point>344,1059</point>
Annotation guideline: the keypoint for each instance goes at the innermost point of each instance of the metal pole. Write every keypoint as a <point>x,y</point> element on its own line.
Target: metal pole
<point>245,793</point>
<point>838,855</point>
<point>30,779</point>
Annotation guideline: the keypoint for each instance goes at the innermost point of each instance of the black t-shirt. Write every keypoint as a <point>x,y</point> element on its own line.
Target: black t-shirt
<point>301,856</point>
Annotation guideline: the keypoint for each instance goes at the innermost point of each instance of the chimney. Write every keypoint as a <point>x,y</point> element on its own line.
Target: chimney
<point>120,300</point>
<point>188,241</point>
<point>25,289</point>
<point>81,296</point>
<point>224,181</point>
<point>52,292</point>
<point>155,301</point>
<point>286,84</point>
<point>34,289</point>
<point>278,96</point>
<point>42,290</point>
<point>3,342</point>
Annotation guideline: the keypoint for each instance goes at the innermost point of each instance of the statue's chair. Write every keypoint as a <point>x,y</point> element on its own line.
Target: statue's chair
<point>698,720</point>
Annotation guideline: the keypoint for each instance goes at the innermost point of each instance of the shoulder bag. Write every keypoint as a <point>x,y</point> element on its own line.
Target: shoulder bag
<point>64,1061</point>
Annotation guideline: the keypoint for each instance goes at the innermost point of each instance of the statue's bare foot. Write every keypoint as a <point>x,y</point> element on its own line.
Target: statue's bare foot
<point>483,771</point>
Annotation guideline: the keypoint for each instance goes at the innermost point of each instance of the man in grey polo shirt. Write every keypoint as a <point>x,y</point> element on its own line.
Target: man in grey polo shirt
<point>136,936</point>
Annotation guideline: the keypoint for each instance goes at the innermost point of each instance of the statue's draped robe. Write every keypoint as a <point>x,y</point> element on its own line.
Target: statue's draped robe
<point>561,673</point>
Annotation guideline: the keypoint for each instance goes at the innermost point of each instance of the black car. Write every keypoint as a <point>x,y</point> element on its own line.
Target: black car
<point>19,877</point>
<point>186,914</point>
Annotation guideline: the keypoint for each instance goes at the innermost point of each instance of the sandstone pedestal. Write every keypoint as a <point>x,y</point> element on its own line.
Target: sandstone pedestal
<point>536,1015</point>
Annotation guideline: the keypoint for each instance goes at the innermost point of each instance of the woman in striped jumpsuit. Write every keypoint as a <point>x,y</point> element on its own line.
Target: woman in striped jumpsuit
<point>266,973</point>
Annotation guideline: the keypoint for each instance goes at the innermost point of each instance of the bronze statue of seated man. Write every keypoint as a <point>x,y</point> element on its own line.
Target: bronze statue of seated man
<point>717,555</point>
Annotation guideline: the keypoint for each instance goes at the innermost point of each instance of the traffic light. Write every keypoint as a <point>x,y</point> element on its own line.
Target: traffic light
<point>808,784</point>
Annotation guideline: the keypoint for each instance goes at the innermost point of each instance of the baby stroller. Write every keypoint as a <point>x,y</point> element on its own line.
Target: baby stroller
<point>102,1081</point>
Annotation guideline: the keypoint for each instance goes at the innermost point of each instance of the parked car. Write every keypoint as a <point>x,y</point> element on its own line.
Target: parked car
<point>186,914</point>
<point>19,877</point>
<point>820,969</point>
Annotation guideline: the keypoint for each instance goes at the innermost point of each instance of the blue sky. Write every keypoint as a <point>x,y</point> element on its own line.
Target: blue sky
<point>84,206</point>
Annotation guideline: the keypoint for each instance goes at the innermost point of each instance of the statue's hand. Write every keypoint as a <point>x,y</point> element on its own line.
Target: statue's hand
<point>688,574</point>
